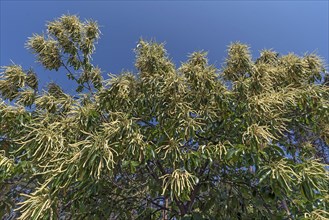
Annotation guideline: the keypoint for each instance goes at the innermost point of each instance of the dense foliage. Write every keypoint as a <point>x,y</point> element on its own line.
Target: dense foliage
<point>248,141</point>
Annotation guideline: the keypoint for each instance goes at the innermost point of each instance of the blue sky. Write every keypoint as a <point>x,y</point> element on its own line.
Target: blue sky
<point>185,26</point>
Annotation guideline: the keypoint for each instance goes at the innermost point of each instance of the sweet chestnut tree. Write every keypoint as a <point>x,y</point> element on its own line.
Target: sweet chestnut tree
<point>246,141</point>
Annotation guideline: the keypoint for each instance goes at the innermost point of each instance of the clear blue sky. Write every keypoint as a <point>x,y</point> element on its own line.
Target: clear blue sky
<point>185,26</point>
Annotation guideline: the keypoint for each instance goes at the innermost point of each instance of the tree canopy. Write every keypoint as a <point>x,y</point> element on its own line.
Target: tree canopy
<point>248,140</point>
